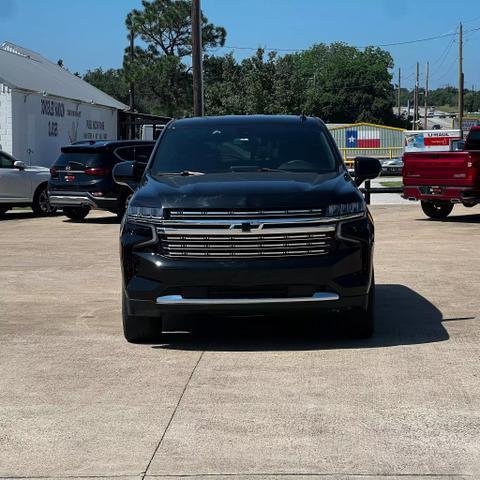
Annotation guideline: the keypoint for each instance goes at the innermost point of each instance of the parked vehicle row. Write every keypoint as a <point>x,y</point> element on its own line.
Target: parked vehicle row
<point>78,181</point>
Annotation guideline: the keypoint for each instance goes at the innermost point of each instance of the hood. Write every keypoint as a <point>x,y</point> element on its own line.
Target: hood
<point>251,190</point>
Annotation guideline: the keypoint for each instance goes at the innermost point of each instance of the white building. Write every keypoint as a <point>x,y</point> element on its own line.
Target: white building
<point>43,107</point>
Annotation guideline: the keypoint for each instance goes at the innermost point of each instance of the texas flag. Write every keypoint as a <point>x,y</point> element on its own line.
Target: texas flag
<point>362,138</point>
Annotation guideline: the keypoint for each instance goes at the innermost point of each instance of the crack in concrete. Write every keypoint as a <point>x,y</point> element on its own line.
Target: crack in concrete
<point>144,473</point>
<point>340,476</point>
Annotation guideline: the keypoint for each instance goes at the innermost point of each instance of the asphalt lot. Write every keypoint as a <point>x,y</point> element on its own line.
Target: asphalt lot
<point>254,399</point>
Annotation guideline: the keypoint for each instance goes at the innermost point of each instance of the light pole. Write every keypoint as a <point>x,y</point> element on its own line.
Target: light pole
<point>197,69</point>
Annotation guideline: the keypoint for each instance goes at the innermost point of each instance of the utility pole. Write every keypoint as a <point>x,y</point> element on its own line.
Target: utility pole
<point>197,69</point>
<point>398,93</point>
<point>425,122</point>
<point>460,77</point>
<point>416,99</point>
<point>132,85</point>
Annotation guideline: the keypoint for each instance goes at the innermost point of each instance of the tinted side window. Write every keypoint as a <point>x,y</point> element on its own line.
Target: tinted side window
<point>135,153</point>
<point>5,161</point>
<point>126,154</point>
<point>142,153</point>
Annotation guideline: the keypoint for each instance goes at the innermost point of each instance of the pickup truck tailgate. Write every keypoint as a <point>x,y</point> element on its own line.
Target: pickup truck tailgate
<point>440,168</point>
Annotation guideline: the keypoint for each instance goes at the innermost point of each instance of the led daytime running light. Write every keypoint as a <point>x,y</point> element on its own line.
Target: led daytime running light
<point>144,213</point>
<point>343,209</point>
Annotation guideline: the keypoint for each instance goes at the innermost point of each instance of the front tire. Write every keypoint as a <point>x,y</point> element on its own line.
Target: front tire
<point>361,320</point>
<point>139,329</point>
<point>77,214</point>
<point>41,205</point>
<point>437,210</point>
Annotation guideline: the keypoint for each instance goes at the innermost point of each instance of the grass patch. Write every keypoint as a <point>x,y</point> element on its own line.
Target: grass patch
<point>446,108</point>
<point>392,184</point>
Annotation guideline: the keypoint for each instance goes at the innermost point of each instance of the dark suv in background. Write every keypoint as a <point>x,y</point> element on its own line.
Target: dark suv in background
<point>81,178</point>
<point>246,215</point>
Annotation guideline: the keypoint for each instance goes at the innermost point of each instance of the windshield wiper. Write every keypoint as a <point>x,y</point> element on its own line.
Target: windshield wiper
<point>267,169</point>
<point>183,173</point>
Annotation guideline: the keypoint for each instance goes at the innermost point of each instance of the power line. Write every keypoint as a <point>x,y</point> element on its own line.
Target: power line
<point>445,53</point>
<point>406,42</point>
<point>439,66</point>
<point>455,60</point>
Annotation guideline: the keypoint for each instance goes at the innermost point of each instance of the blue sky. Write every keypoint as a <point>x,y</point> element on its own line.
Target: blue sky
<point>91,33</point>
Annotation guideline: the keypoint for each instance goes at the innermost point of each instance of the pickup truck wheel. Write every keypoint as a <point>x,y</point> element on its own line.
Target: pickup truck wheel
<point>41,203</point>
<point>361,321</point>
<point>437,210</point>
<point>76,214</point>
<point>3,210</point>
<point>139,329</point>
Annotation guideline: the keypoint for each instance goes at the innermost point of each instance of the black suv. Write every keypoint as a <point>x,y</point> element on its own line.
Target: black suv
<point>242,215</point>
<point>81,178</point>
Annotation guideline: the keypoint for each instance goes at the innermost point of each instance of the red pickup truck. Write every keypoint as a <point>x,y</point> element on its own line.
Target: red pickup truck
<point>441,179</point>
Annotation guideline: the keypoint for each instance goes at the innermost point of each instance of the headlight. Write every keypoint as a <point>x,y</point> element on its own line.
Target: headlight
<point>344,209</point>
<point>144,213</point>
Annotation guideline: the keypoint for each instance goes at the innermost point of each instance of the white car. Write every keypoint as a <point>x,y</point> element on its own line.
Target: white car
<point>22,186</point>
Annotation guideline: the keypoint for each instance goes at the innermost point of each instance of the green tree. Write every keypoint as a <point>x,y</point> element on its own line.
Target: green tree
<point>165,27</point>
<point>336,82</point>
<point>222,77</point>
<point>345,84</point>
<point>158,71</point>
<point>110,81</point>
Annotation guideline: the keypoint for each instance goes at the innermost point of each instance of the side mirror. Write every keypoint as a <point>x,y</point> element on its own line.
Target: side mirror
<point>366,168</point>
<point>19,164</point>
<point>128,173</point>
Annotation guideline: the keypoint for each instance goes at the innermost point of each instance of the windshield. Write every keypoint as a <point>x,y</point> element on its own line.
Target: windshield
<point>240,148</point>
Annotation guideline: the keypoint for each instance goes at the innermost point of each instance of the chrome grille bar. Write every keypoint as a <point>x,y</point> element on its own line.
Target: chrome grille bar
<point>213,230</point>
<point>241,234</point>
<point>236,214</point>
<point>253,254</point>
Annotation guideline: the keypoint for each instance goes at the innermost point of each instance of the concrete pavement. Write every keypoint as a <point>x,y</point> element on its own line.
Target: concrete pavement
<point>388,198</point>
<point>263,398</point>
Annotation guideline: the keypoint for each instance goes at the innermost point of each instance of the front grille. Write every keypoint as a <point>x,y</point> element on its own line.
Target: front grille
<point>242,214</point>
<point>244,234</point>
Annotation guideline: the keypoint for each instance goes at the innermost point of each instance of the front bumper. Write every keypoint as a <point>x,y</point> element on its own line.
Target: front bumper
<point>62,199</point>
<point>245,306</point>
<point>156,285</point>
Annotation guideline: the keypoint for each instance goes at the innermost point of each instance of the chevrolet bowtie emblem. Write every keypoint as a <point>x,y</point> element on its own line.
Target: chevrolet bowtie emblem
<point>246,227</point>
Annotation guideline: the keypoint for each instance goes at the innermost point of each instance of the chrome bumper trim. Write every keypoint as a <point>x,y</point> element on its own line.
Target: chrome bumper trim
<point>76,200</point>
<point>71,200</point>
<point>178,299</point>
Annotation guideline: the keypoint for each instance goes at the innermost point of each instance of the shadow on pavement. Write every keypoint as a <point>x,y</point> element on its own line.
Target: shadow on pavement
<point>403,317</point>
<point>108,220</point>
<point>23,215</point>
<point>467,218</point>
